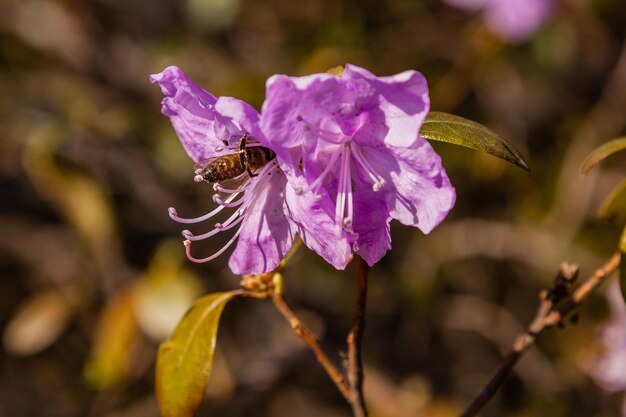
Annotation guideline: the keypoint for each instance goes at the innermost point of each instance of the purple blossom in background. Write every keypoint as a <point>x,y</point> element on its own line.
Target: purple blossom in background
<point>511,20</point>
<point>210,127</point>
<point>609,370</point>
<point>353,144</point>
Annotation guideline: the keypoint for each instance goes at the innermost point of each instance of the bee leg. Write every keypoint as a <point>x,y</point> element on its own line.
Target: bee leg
<point>245,162</point>
<point>243,141</point>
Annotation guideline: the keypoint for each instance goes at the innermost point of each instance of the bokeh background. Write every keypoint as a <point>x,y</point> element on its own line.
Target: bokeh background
<point>93,274</point>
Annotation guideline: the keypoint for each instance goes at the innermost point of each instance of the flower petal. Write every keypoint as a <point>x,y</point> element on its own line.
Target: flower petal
<point>316,226</point>
<point>202,121</point>
<point>238,117</point>
<point>402,104</point>
<point>517,20</point>
<point>418,191</point>
<point>371,223</point>
<point>266,234</point>
<point>190,109</point>
<point>294,106</point>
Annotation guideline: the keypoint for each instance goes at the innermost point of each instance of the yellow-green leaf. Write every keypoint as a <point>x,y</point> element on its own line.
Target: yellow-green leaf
<point>185,360</point>
<point>114,346</point>
<point>37,323</point>
<point>602,152</point>
<point>444,127</point>
<point>614,207</point>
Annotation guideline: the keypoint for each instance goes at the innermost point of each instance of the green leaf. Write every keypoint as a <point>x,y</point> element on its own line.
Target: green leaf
<point>185,360</point>
<point>444,127</point>
<point>602,152</point>
<point>614,206</point>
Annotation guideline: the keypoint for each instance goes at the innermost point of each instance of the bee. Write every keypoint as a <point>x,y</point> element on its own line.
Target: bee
<point>233,165</point>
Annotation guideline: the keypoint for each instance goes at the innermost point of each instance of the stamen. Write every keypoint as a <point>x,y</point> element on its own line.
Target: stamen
<point>331,164</point>
<point>174,215</point>
<point>187,244</point>
<point>219,187</point>
<point>377,180</point>
<point>246,202</point>
<point>218,199</point>
<point>344,191</point>
<point>198,178</point>
<point>232,221</point>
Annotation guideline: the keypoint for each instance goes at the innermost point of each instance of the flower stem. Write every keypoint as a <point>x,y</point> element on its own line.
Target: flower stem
<point>355,363</point>
<point>311,340</point>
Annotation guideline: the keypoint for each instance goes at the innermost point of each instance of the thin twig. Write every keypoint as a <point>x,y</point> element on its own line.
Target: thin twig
<point>311,340</point>
<point>355,362</point>
<point>547,316</point>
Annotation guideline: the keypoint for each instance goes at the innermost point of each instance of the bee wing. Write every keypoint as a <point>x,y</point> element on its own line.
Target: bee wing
<point>234,183</point>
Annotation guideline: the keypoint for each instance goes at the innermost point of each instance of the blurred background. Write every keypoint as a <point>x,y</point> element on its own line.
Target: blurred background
<point>93,272</point>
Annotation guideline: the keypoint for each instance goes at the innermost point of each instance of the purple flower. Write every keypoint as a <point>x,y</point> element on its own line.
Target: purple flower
<point>210,128</point>
<point>609,370</point>
<point>511,20</point>
<point>266,216</point>
<point>351,147</point>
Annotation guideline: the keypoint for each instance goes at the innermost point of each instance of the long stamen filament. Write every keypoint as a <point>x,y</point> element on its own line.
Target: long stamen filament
<point>344,207</point>
<point>233,220</point>
<point>218,199</point>
<point>318,181</point>
<point>187,244</point>
<point>174,215</point>
<point>340,201</point>
<point>376,179</point>
<point>219,187</point>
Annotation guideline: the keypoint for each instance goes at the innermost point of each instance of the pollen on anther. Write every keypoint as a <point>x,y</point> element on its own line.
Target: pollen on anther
<point>378,185</point>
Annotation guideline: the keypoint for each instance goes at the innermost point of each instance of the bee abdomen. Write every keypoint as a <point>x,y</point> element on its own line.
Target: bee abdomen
<point>259,156</point>
<point>224,168</point>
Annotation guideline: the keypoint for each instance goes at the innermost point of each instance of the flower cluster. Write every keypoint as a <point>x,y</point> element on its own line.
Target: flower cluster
<point>333,159</point>
<point>511,20</point>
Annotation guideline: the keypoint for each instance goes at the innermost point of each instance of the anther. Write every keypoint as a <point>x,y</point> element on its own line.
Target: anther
<point>198,178</point>
<point>378,185</point>
<point>187,234</point>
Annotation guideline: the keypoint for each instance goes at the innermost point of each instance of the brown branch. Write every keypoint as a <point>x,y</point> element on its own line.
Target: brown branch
<point>550,313</point>
<point>354,363</point>
<point>311,340</point>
